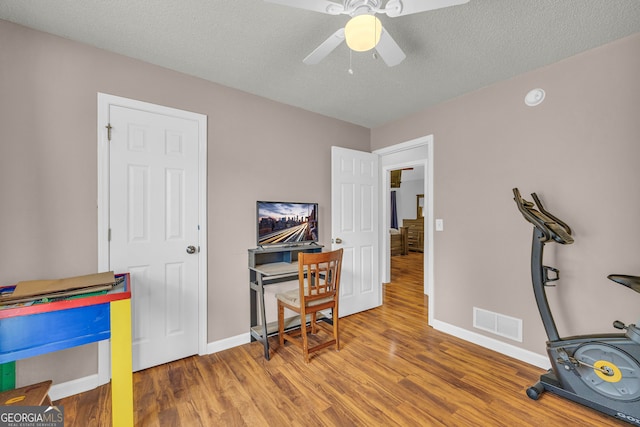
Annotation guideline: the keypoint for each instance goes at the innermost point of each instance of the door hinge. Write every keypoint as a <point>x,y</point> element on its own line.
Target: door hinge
<point>108,126</point>
<point>109,236</point>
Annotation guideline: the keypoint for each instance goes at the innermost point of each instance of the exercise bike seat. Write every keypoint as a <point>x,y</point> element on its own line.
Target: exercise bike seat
<point>632,282</point>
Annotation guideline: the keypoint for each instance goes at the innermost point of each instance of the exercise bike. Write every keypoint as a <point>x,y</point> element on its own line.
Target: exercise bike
<point>599,371</point>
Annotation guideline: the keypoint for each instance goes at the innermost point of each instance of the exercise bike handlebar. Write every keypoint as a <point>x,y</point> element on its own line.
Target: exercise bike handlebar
<point>549,225</point>
<point>548,214</point>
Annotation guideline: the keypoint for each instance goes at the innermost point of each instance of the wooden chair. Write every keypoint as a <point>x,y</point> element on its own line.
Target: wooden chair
<point>319,288</point>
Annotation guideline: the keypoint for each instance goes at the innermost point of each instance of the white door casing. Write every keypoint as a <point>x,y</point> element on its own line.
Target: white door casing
<point>354,227</point>
<point>156,209</point>
<point>419,150</point>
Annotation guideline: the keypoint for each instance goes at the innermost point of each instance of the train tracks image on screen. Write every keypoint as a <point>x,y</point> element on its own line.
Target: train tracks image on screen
<point>290,235</point>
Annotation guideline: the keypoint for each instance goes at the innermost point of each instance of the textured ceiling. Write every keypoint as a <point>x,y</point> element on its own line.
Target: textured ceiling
<point>258,47</point>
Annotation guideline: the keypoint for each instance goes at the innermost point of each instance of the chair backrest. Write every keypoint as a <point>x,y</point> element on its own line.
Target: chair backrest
<point>319,277</point>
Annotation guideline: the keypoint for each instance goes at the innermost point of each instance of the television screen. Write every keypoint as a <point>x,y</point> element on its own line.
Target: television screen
<point>287,223</point>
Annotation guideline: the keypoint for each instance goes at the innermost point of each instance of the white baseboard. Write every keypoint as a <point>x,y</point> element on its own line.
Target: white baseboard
<point>227,343</point>
<point>69,388</point>
<point>527,356</point>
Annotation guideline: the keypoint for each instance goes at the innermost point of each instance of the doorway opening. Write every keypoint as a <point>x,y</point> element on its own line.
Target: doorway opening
<point>406,221</point>
<point>417,152</point>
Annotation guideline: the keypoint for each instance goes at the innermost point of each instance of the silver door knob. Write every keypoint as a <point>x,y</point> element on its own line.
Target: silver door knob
<point>191,249</point>
<point>338,240</point>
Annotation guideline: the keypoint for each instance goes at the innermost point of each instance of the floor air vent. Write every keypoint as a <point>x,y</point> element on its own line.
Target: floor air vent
<point>499,324</point>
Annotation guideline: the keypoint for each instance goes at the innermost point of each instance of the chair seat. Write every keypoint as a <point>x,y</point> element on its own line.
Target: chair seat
<point>292,298</point>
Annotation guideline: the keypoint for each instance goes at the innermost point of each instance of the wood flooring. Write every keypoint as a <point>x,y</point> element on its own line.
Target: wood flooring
<point>392,370</point>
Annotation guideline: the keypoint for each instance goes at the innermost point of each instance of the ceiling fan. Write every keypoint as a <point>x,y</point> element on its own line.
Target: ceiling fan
<point>364,31</point>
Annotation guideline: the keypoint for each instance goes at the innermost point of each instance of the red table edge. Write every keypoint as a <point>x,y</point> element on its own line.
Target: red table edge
<point>74,303</point>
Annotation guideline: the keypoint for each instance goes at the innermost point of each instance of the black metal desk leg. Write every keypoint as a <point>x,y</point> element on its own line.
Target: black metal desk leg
<point>253,303</point>
<point>265,339</point>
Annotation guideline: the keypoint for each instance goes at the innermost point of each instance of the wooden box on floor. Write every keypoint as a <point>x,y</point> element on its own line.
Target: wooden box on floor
<point>31,395</point>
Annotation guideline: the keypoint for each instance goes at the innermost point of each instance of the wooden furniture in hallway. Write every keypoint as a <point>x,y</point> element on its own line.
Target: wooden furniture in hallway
<point>399,240</point>
<point>415,236</point>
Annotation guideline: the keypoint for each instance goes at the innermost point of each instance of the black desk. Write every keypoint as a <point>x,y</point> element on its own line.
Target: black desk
<point>270,265</point>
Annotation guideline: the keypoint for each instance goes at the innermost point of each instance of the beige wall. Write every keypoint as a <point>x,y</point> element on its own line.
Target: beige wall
<point>257,149</point>
<point>578,150</point>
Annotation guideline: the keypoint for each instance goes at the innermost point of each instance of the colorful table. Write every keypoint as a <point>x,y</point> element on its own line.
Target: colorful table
<point>43,328</point>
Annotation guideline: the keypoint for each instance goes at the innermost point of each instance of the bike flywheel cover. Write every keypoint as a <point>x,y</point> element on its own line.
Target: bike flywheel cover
<point>616,374</point>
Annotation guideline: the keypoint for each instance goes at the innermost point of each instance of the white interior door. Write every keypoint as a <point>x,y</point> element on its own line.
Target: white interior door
<point>354,227</point>
<point>153,222</point>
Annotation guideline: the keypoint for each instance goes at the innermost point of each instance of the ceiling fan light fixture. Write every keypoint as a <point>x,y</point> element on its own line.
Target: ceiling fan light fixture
<point>362,32</point>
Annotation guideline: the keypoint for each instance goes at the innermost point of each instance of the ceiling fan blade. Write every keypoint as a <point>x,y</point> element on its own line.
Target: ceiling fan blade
<point>389,50</point>
<point>322,6</point>
<point>325,48</point>
<point>395,8</point>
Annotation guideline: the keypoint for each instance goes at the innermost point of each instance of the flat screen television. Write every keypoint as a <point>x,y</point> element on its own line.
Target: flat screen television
<point>286,223</point>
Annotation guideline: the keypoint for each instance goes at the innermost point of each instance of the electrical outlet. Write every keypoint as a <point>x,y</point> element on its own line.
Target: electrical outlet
<point>439,224</point>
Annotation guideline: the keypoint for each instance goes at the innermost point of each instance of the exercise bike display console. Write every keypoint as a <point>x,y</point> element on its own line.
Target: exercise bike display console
<point>601,371</point>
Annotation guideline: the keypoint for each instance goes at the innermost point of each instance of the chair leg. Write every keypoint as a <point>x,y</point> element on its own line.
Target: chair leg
<point>305,340</point>
<point>281,323</point>
<point>336,331</point>
<point>314,328</point>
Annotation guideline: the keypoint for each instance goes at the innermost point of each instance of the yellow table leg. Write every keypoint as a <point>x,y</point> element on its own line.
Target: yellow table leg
<point>121,364</point>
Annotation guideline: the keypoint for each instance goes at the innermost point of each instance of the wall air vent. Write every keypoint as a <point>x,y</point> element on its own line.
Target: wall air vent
<point>499,324</point>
